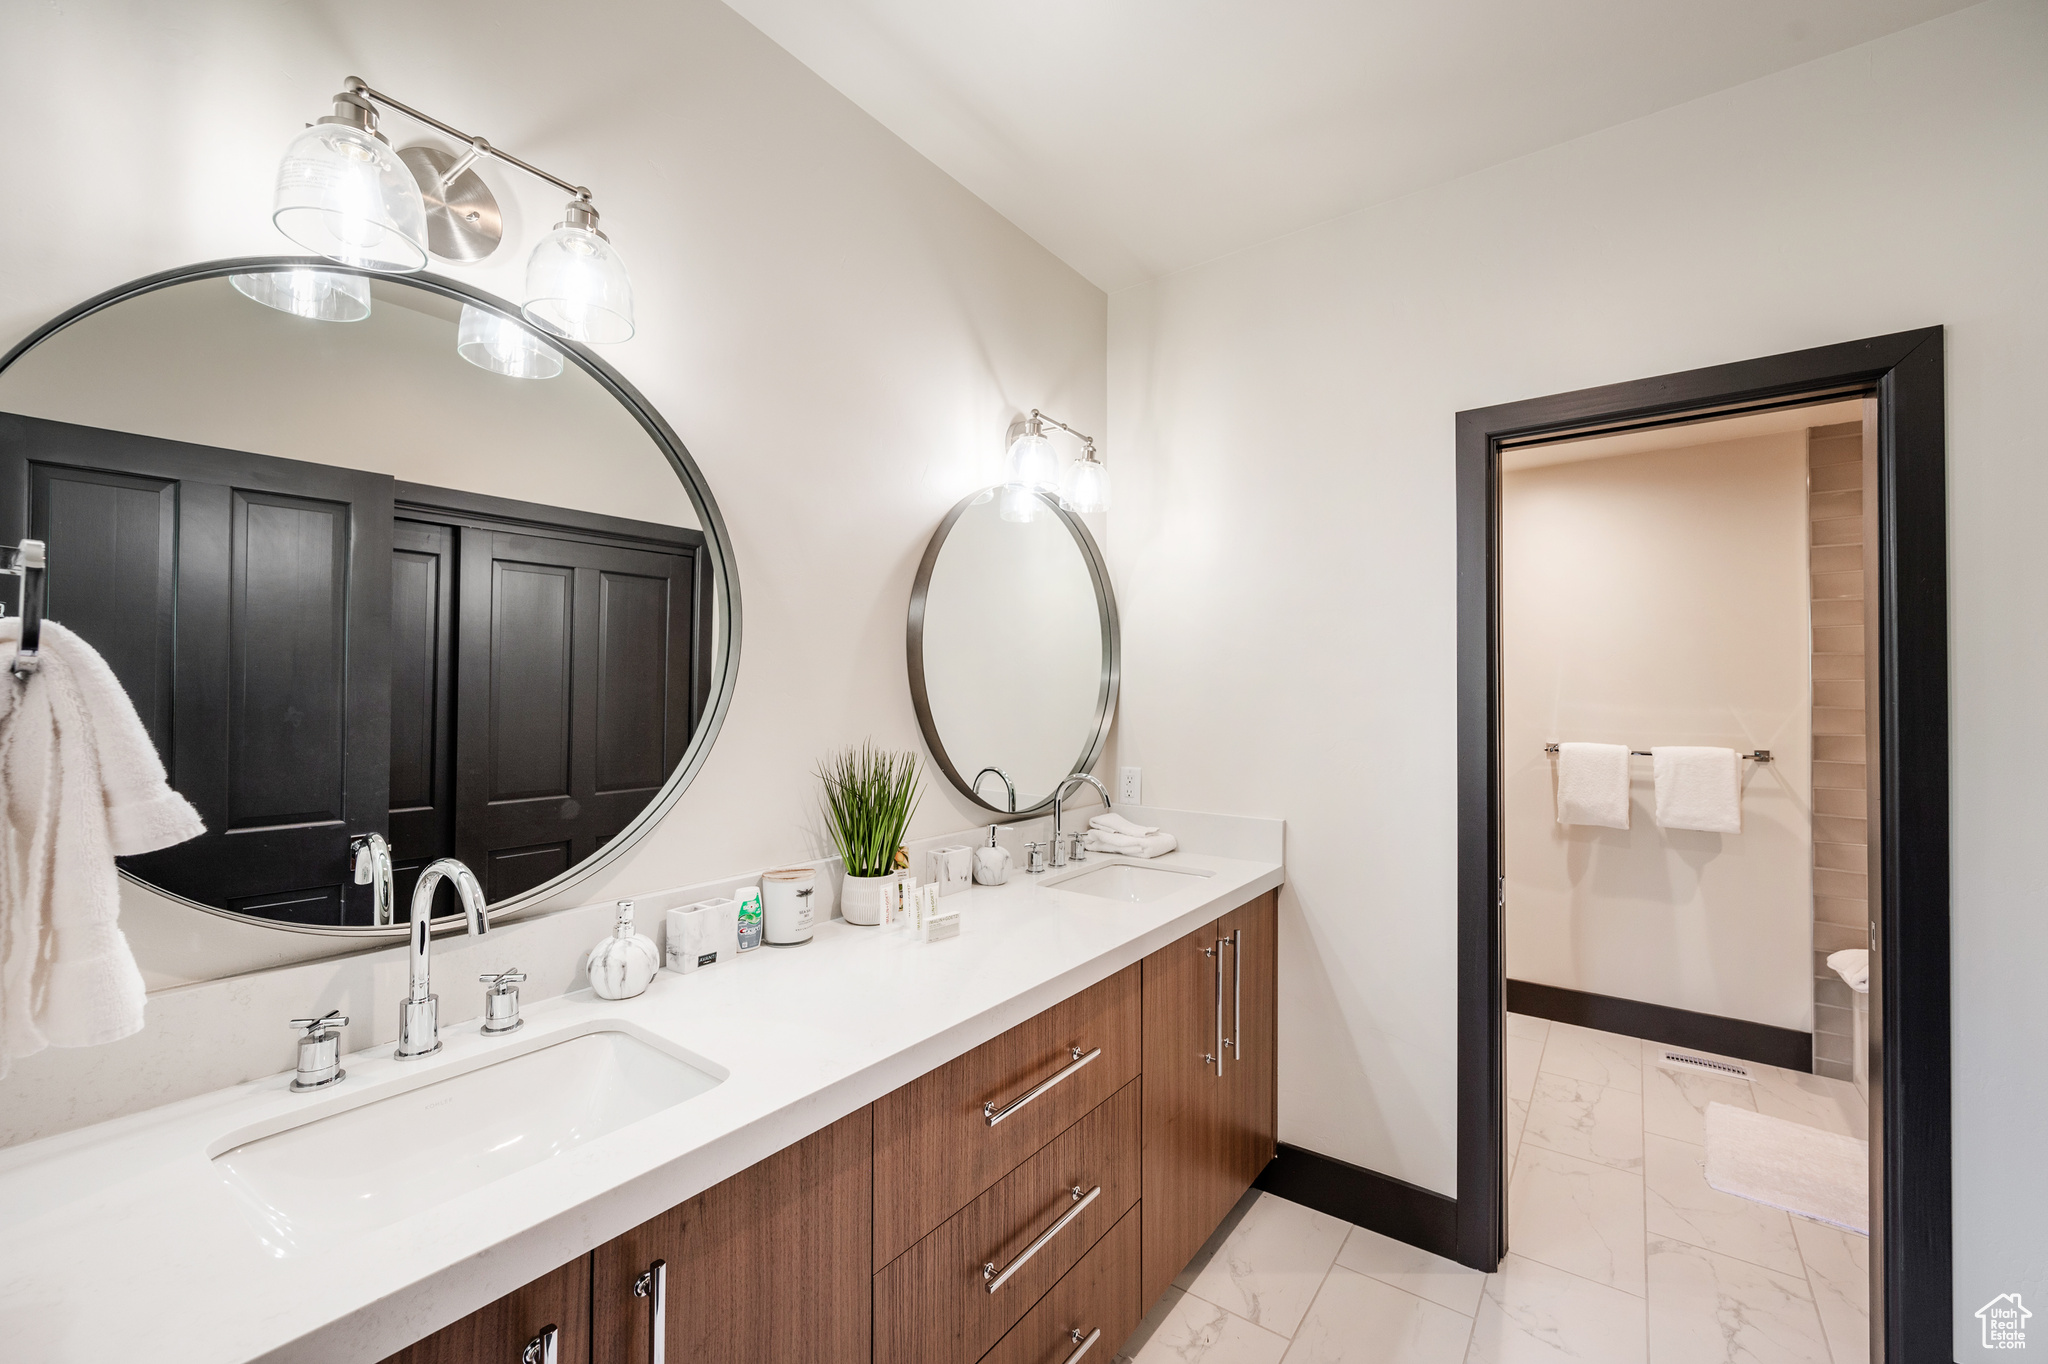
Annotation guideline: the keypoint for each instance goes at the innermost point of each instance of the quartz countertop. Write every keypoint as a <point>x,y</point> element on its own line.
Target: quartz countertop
<point>123,1240</point>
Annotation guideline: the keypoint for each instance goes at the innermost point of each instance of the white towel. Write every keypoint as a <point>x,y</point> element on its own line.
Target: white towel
<point>1117,824</point>
<point>1592,785</point>
<point>1852,964</point>
<point>1151,845</point>
<point>81,784</point>
<point>1698,788</point>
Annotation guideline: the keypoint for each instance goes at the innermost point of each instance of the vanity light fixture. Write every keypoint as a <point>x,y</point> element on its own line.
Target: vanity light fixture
<point>343,193</point>
<point>322,295</point>
<point>502,346</point>
<point>1033,466</point>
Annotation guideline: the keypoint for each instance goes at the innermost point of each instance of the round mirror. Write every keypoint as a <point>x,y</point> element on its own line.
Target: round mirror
<point>371,557</point>
<point>1013,648</point>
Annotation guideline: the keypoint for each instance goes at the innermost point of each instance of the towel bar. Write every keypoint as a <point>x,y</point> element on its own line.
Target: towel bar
<point>27,561</point>
<point>1761,755</point>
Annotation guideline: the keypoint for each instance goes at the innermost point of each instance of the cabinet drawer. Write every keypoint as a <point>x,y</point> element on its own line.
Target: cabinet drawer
<point>501,1331</point>
<point>933,1304</point>
<point>1098,1295</point>
<point>934,1147</point>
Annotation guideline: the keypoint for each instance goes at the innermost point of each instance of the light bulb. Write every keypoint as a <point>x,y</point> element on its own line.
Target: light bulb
<point>1018,504</point>
<point>322,295</point>
<point>1085,486</point>
<point>343,193</point>
<point>576,283</point>
<point>504,346</point>
<point>1032,463</point>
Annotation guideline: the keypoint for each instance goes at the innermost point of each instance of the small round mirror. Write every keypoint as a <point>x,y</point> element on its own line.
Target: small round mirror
<point>1013,648</point>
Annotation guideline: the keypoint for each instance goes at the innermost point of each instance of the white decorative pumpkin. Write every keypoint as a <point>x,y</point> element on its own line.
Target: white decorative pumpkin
<point>624,964</point>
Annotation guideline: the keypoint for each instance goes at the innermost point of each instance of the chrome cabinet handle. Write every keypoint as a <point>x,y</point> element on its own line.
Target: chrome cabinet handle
<point>1238,996</point>
<point>993,1115</point>
<point>1221,1041</point>
<point>541,1349</point>
<point>997,1278</point>
<point>653,1285</point>
<point>1086,1345</point>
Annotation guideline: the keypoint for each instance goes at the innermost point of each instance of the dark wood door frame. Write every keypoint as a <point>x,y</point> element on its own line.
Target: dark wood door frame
<point>1910,1153</point>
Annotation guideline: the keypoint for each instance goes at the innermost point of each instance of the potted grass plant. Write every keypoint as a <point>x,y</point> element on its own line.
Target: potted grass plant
<point>870,795</point>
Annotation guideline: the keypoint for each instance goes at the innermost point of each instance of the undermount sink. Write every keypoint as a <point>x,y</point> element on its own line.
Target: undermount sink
<point>366,1167</point>
<point>1134,885</point>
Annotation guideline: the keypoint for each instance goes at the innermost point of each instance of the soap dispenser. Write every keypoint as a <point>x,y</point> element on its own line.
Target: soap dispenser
<point>991,863</point>
<point>624,964</point>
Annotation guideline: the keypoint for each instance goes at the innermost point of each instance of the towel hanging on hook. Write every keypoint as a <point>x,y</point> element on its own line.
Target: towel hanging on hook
<point>28,561</point>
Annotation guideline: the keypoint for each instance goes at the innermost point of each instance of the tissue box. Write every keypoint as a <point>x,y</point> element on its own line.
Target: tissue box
<point>703,935</point>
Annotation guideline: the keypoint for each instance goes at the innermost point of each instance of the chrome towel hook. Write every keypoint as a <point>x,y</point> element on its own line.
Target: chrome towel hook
<point>27,561</point>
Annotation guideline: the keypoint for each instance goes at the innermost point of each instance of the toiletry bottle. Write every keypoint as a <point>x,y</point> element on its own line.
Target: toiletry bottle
<point>622,965</point>
<point>750,916</point>
<point>991,862</point>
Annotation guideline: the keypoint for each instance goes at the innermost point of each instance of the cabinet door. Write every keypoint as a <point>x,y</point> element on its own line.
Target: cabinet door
<point>1186,1167</point>
<point>1250,1003</point>
<point>500,1333</point>
<point>774,1266</point>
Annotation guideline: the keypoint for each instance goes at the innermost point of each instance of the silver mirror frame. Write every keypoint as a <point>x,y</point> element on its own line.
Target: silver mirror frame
<point>1112,650</point>
<point>725,588</point>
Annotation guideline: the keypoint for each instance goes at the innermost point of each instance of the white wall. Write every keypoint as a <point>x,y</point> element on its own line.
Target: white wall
<point>1649,599</point>
<point>839,333</point>
<point>1283,425</point>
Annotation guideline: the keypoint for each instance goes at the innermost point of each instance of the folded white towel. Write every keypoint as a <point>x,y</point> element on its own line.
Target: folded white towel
<point>1117,824</point>
<point>1592,785</point>
<point>1151,845</point>
<point>1852,964</point>
<point>1699,788</point>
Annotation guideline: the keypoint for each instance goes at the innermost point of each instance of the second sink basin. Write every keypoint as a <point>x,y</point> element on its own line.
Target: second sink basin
<point>1133,885</point>
<point>367,1167</point>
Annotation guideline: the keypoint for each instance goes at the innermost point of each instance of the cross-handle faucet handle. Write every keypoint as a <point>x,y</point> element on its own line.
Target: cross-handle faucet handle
<point>1034,858</point>
<point>501,1001</point>
<point>510,976</point>
<point>333,1018</point>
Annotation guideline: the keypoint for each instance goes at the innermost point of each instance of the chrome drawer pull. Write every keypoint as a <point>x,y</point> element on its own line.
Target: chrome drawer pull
<point>541,1349</point>
<point>994,1115</point>
<point>1086,1345</point>
<point>653,1285</point>
<point>1237,994</point>
<point>996,1279</point>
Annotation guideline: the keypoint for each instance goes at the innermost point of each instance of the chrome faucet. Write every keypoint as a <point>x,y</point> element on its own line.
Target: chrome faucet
<point>419,1026</point>
<point>1059,816</point>
<point>373,868</point>
<point>1008,785</point>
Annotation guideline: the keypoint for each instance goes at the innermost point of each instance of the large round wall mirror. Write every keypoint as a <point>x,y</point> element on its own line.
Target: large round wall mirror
<point>372,558</point>
<point>1013,648</point>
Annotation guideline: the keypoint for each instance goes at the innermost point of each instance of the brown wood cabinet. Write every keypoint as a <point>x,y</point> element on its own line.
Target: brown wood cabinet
<point>1209,1124</point>
<point>866,1243</point>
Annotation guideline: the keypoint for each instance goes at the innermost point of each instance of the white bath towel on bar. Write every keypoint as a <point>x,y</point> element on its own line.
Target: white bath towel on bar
<point>1592,785</point>
<point>1699,788</point>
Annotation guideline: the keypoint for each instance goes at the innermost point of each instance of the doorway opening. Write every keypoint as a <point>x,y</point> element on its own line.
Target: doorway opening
<point>1696,519</point>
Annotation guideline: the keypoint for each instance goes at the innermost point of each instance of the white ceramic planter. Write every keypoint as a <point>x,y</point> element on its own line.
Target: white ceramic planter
<point>860,899</point>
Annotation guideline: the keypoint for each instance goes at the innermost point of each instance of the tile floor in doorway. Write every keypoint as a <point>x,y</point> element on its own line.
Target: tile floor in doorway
<point>1621,1253</point>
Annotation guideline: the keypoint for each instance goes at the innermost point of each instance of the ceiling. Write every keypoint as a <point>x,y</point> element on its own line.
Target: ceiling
<point>1141,137</point>
<point>1690,435</point>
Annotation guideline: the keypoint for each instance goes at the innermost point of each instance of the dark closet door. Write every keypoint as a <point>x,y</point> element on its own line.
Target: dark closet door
<point>423,574</point>
<point>574,697</point>
<point>243,601</point>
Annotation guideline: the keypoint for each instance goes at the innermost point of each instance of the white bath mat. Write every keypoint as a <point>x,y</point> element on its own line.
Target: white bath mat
<point>1789,1165</point>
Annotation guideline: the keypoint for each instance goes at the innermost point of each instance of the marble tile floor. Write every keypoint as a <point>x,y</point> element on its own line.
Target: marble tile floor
<point>1621,1253</point>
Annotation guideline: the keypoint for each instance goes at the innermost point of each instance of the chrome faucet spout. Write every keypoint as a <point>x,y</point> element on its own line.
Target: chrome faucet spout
<point>419,1028</point>
<point>1059,811</point>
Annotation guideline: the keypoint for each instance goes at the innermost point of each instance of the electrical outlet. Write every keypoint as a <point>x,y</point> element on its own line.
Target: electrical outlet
<point>1127,786</point>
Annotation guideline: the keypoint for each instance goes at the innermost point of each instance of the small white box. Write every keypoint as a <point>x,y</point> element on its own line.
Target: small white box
<point>703,934</point>
<point>952,869</point>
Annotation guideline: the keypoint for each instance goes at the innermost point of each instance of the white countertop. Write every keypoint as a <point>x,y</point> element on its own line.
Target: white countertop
<point>122,1241</point>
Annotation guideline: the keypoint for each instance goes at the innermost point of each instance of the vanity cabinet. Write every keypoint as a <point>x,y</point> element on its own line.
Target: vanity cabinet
<point>1210,1123</point>
<point>1004,1208</point>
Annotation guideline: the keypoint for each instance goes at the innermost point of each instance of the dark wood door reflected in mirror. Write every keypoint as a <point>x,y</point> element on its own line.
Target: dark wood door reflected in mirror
<point>356,585</point>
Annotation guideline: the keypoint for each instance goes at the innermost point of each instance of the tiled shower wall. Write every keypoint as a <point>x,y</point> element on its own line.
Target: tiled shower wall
<point>1840,851</point>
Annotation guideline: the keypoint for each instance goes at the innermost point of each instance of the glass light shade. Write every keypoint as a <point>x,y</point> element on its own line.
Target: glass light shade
<point>576,286</point>
<point>1032,463</point>
<point>1085,486</point>
<point>1018,504</point>
<point>343,194</point>
<point>504,346</point>
<point>322,295</point>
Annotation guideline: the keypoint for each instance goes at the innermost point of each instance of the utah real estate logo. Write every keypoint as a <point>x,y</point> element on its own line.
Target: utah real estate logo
<point>2005,1322</point>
